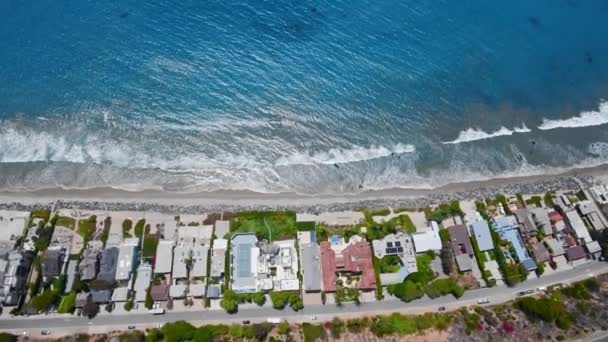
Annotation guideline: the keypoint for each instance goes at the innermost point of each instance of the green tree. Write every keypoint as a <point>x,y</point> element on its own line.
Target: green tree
<point>139,228</point>
<point>337,327</point>
<point>230,302</point>
<point>283,327</point>
<point>149,301</point>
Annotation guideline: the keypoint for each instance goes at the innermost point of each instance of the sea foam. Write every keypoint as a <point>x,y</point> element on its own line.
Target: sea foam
<point>474,134</point>
<point>584,119</point>
<point>345,155</point>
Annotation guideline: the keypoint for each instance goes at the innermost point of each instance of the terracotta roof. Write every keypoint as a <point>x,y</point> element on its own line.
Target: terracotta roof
<point>355,258</point>
<point>555,216</point>
<point>575,253</point>
<point>160,293</point>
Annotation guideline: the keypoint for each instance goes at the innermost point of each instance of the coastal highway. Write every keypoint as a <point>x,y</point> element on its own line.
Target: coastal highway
<point>68,324</point>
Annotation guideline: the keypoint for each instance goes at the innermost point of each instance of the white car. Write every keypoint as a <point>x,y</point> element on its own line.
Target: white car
<point>313,318</point>
<point>483,301</point>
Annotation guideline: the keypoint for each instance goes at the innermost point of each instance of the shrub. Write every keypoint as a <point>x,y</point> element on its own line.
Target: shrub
<point>127,224</point>
<point>312,332</point>
<point>229,302</point>
<point>406,291</point>
<point>178,331</point>
<point>337,327</point>
<point>139,228</point>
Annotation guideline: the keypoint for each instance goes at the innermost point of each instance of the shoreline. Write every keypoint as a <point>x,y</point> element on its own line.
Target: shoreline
<point>231,200</point>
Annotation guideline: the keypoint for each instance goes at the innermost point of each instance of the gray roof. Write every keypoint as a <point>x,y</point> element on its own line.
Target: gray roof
<point>101,296</point>
<point>126,260</point>
<point>243,276</point>
<point>51,263</point>
<point>14,277</point>
<point>483,235</point>
<point>88,264</point>
<point>164,257</point>
<point>529,264</point>
<point>524,217</point>
<point>311,267</point>
<point>71,274</point>
<point>107,266</point>
<point>540,252</point>
<point>464,262</point>
<point>541,218</point>
<point>214,291</point>
<point>459,240</point>
<point>142,281</point>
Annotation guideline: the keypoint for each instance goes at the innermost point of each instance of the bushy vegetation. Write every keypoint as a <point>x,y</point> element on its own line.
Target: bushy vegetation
<point>65,221</point>
<point>306,226</point>
<point>577,290</point>
<point>443,211</point>
<point>50,296</point>
<point>127,224</point>
<point>403,325</point>
<point>230,301</point>
<point>150,245</point>
<point>548,199</point>
<point>512,273</point>
<point>442,287</point>
<point>337,327</point>
<point>86,228</point>
<point>280,224</point>
<point>257,297</point>
<point>546,309</point>
<point>281,299</point>
<point>535,200</point>
<point>406,291</point>
<point>471,320</point>
<point>139,228</point>
<point>376,263</point>
<point>313,332</point>
<point>43,213</point>
<point>390,264</point>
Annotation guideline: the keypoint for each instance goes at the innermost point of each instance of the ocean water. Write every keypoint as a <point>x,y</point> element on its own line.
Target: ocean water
<point>311,96</point>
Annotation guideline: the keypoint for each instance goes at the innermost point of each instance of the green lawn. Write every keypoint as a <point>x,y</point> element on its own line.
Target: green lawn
<point>281,225</point>
<point>312,332</point>
<point>68,303</point>
<point>86,227</point>
<point>65,221</point>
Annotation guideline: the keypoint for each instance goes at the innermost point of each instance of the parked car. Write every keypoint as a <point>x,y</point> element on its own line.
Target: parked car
<point>441,308</point>
<point>483,301</point>
<point>131,327</point>
<point>603,258</point>
<point>45,332</point>
<point>314,318</point>
<point>246,322</point>
<point>25,333</point>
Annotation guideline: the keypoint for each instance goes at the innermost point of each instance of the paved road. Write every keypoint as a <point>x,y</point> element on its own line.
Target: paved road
<point>73,324</point>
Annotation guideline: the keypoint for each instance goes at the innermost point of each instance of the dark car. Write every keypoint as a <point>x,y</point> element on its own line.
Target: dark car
<point>246,322</point>
<point>131,327</point>
<point>441,308</point>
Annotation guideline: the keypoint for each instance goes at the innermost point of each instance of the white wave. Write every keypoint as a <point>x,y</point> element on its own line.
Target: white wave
<point>342,156</point>
<point>474,134</point>
<point>584,119</point>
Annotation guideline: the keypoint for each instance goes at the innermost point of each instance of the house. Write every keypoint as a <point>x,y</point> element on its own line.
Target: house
<point>14,270</point>
<point>218,258</point>
<point>311,261</point>
<point>196,290</point>
<point>482,234</point>
<point>244,254</point>
<point>177,291</point>
<point>101,296</point>
<point>526,221</point>
<point>401,245</point>
<point>142,282</point>
<point>81,299</point>
<point>600,194</point>
<point>160,293</point>
<point>120,294</point>
<point>578,226</point>
<point>508,229</point>
<point>542,220</point>
<point>592,215</point>
<point>429,240</point>
<point>541,254</point>
<point>214,292</point>
<point>193,256</point>
<point>354,257</point>
<point>89,264</point>
<point>555,247</point>
<point>108,264</point>
<point>576,254</point>
<point>459,240</point>
<point>594,249</point>
<point>164,257</point>
<point>278,266</point>
<point>127,259</point>
<point>51,263</point>
<point>464,262</point>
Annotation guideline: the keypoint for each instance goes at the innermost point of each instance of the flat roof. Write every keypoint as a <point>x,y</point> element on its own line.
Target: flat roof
<point>164,257</point>
<point>126,258</point>
<point>483,235</point>
<point>576,222</point>
<point>222,227</point>
<point>311,267</point>
<point>243,277</point>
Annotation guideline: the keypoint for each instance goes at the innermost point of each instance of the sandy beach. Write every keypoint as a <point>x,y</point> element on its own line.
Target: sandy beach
<point>115,199</point>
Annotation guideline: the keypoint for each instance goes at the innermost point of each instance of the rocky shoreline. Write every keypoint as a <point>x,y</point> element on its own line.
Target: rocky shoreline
<point>537,186</point>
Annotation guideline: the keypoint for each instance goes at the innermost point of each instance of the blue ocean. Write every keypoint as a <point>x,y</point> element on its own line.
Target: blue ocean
<point>309,96</point>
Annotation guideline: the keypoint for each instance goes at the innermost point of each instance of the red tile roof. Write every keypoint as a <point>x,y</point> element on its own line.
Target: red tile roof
<point>554,216</point>
<point>355,258</point>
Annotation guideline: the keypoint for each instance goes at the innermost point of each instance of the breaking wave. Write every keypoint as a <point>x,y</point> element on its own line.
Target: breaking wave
<point>584,119</point>
<point>474,134</point>
<point>343,156</point>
